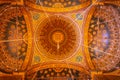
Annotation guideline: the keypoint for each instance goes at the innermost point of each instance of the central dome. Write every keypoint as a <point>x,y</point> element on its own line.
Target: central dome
<point>57,37</point>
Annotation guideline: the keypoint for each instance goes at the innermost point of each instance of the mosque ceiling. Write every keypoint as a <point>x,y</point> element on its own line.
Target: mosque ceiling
<point>58,3</point>
<point>56,38</point>
<point>103,37</point>
<point>14,37</point>
<point>54,5</point>
<point>67,38</point>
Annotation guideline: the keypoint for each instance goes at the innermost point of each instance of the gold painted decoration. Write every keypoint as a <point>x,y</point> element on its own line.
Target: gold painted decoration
<point>103,37</point>
<point>58,5</point>
<point>64,73</point>
<point>14,34</point>
<point>57,37</point>
<point>57,70</point>
<point>13,2</point>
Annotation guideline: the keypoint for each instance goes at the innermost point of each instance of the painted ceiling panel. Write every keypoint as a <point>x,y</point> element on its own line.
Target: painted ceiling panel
<point>13,41</point>
<point>59,38</point>
<point>60,73</point>
<point>58,3</point>
<point>103,38</point>
<point>55,38</point>
<point>53,5</point>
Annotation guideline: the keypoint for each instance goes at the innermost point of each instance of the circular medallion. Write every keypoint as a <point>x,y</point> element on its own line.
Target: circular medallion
<point>57,37</point>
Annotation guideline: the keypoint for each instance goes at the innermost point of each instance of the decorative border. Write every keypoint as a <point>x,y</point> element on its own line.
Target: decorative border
<point>41,66</point>
<point>29,40</point>
<point>21,75</point>
<point>14,2</point>
<point>47,9</point>
<point>87,22</point>
<point>117,2</point>
<point>94,73</point>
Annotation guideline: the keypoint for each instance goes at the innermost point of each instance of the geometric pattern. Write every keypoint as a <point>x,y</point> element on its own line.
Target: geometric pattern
<point>103,40</point>
<point>57,37</point>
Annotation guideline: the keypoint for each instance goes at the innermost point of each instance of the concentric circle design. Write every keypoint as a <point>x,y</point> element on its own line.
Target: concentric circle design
<point>57,37</point>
